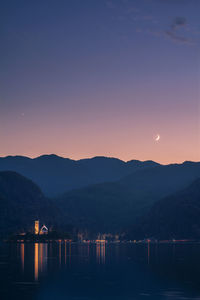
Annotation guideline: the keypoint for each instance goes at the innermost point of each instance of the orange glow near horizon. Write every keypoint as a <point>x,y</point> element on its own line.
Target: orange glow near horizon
<point>127,138</point>
<point>111,96</point>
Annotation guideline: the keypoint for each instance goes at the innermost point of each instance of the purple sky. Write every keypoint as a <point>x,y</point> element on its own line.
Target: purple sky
<point>86,78</point>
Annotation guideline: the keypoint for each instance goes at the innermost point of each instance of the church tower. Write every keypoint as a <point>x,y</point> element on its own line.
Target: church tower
<point>37,227</point>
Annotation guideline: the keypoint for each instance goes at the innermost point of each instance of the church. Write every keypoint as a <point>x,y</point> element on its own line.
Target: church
<point>42,230</point>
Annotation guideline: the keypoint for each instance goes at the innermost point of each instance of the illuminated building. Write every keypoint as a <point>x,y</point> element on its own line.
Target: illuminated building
<point>37,227</point>
<point>44,230</point>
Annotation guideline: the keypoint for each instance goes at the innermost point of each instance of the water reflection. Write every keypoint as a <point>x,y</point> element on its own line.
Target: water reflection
<point>22,255</point>
<point>124,271</point>
<point>36,262</point>
<point>60,253</point>
<point>65,252</point>
<point>40,259</point>
<point>100,252</point>
<point>43,252</point>
<point>70,253</point>
<point>148,255</point>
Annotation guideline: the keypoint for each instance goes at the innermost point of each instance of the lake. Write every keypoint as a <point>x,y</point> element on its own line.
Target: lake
<point>62,270</point>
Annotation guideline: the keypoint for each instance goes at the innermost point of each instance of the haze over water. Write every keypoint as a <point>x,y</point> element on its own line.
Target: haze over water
<point>102,271</point>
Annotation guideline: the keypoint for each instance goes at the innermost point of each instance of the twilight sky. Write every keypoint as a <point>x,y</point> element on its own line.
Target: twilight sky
<point>82,78</point>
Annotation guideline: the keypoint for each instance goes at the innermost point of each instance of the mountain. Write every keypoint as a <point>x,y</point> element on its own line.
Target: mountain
<point>117,205</point>
<point>21,202</point>
<point>56,175</point>
<point>104,207</point>
<point>176,216</point>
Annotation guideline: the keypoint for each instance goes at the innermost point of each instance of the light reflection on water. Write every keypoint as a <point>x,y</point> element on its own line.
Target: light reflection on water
<point>65,270</point>
<point>36,262</point>
<point>40,259</point>
<point>22,255</point>
<point>100,253</point>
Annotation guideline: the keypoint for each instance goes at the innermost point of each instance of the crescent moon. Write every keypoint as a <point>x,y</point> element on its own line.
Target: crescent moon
<point>157,138</point>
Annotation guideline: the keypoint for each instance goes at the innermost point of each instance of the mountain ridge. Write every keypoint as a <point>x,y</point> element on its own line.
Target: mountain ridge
<point>56,175</point>
<point>94,157</point>
<point>121,203</point>
<point>103,207</point>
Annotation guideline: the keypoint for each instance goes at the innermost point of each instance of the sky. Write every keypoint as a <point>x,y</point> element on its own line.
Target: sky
<point>84,78</point>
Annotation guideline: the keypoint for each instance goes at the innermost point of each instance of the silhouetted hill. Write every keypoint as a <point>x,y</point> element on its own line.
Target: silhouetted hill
<point>176,216</point>
<point>56,175</point>
<point>111,206</point>
<point>114,206</point>
<point>162,180</point>
<point>21,202</point>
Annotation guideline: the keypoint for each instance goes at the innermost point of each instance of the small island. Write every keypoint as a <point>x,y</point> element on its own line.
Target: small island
<point>40,234</point>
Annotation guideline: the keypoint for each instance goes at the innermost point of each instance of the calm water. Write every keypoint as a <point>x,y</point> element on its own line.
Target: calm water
<point>79,271</point>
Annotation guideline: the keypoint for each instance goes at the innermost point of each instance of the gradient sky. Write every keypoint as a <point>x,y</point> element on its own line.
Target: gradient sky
<point>81,78</point>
